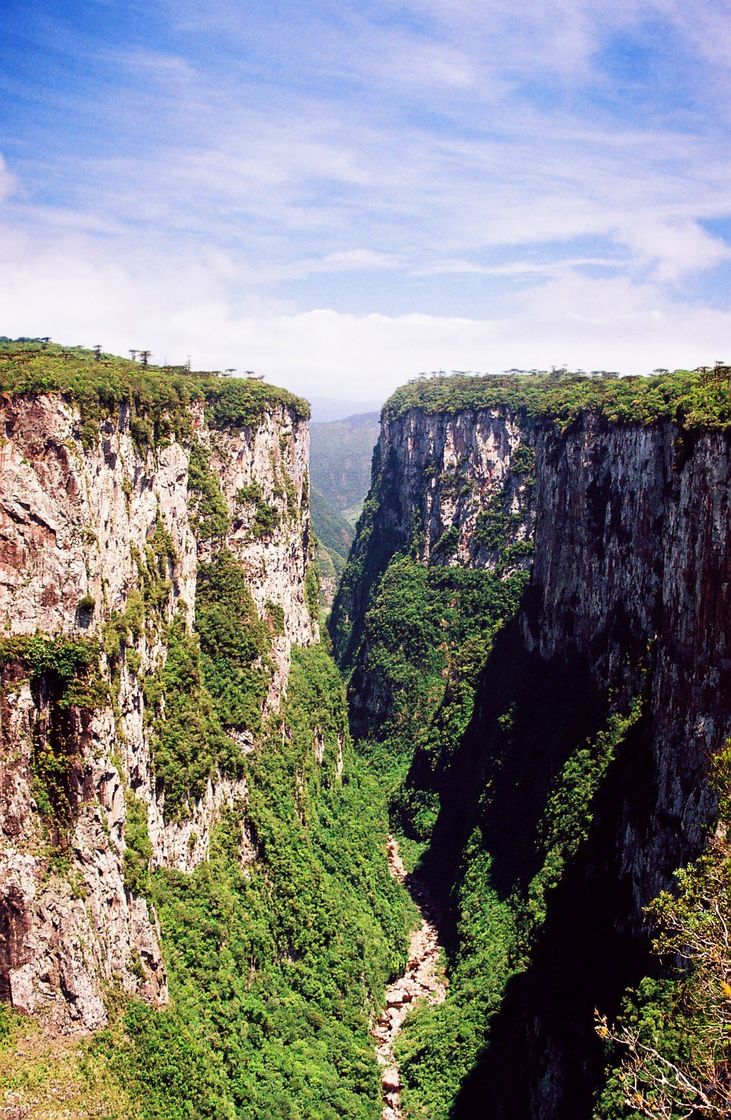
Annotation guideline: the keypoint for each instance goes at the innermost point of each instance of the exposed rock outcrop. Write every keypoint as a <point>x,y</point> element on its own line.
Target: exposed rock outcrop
<point>78,517</point>
<point>629,597</point>
<point>439,483</point>
<point>455,489</point>
<point>632,573</point>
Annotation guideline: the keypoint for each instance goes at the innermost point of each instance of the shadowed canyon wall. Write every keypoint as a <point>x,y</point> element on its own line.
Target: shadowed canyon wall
<point>579,783</point>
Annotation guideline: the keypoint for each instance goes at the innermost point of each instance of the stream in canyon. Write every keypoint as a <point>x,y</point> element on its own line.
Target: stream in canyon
<point>421,981</point>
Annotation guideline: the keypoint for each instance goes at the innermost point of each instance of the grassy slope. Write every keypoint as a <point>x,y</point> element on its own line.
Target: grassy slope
<point>43,1077</point>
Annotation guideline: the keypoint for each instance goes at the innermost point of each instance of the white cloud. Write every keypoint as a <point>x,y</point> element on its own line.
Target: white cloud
<point>674,249</point>
<point>517,268</point>
<point>431,150</point>
<point>77,294</point>
<point>570,32</point>
<point>435,142</point>
<point>155,65</point>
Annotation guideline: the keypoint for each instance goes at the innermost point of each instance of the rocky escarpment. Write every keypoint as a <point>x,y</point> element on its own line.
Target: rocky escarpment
<point>106,532</point>
<point>456,488</point>
<point>452,489</point>
<point>626,616</point>
<point>631,573</point>
<point>579,781</point>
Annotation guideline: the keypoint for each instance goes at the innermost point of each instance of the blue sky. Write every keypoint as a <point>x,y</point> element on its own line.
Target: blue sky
<point>342,194</point>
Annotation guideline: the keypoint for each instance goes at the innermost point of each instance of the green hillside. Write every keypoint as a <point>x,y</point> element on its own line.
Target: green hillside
<point>330,526</point>
<point>340,474</point>
<point>340,460</point>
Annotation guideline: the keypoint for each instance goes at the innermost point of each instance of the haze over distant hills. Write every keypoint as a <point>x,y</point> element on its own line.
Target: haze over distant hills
<point>340,457</point>
<point>326,409</point>
<point>340,468</point>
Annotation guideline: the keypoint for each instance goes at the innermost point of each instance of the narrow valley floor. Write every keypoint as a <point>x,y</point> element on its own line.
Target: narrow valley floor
<point>422,979</point>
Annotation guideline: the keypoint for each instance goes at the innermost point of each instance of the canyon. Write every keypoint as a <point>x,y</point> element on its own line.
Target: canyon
<point>422,981</point>
<point>206,845</point>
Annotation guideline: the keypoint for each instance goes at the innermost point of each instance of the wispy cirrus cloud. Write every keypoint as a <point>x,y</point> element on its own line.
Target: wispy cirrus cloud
<point>8,181</point>
<point>519,268</point>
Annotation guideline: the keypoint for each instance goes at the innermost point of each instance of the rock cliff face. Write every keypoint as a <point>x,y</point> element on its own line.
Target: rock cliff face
<point>457,488</point>
<point>625,530</point>
<point>628,599</point>
<point>631,573</point>
<point>452,467</point>
<point>99,537</point>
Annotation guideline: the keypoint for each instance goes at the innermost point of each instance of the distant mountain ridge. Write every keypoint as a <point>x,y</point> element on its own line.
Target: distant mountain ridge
<point>340,465</point>
<point>340,460</point>
<point>326,409</point>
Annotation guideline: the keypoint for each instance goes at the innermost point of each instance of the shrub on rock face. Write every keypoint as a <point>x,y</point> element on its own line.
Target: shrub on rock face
<point>672,1044</point>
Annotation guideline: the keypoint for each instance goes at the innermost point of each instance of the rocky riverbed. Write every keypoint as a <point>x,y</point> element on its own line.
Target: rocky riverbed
<point>421,980</point>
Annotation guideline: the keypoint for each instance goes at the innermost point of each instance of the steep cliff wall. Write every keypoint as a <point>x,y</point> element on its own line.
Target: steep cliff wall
<point>626,618</point>
<point>105,532</point>
<point>437,479</point>
<point>631,573</point>
<point>451,489</point>
<point>566,790</point>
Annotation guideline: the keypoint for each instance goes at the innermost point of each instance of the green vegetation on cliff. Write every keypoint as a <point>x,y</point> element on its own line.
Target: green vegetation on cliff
<point>265,516</point>
<point>689,398</point>
<point>671,1047</point>
<point>42,1077</point>
<point>279,946</point>
<point>159,397</point>
<point>189,743</point>
<point>210,517</point>
<point>214,681</point>
<point>66,664</point>
<point>235,642</point>
<point>63,674</point>
<point>515,776</point>
<point>429,635</point>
